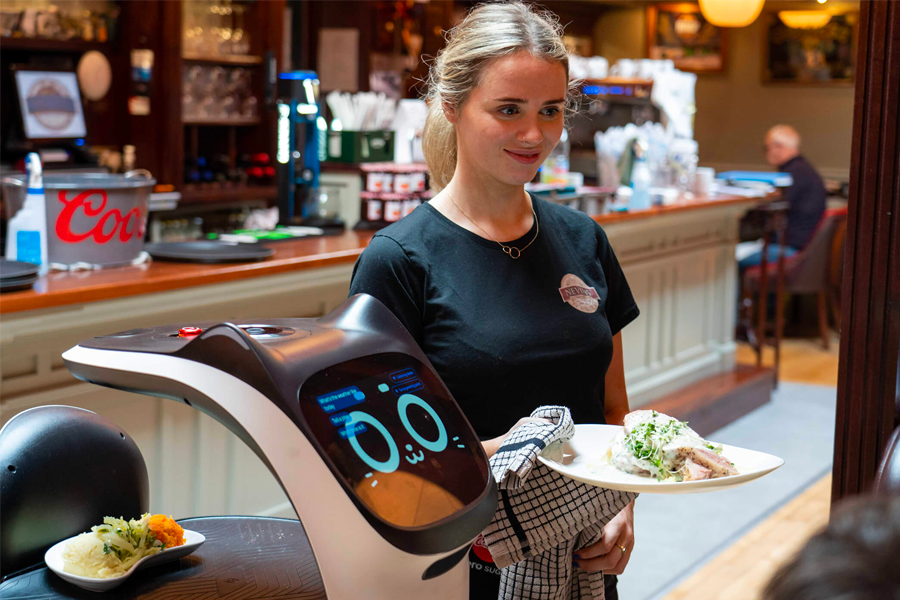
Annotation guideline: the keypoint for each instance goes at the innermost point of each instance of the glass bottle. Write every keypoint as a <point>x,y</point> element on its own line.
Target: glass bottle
<point>556,166</point>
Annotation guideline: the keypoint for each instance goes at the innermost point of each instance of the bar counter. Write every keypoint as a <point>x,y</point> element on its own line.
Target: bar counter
<point>679,261</point>
<point>61,288</point>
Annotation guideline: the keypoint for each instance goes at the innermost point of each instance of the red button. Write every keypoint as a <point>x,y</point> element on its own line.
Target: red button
<point>189,331</point>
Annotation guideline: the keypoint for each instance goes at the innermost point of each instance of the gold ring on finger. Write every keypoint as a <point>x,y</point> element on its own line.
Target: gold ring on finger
<point>622,548</point>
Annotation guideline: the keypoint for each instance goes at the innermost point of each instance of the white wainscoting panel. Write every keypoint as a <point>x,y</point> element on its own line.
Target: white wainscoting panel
<point>681,271</point>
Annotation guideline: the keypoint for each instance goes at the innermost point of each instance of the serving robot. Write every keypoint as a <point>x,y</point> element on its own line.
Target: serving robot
<point>386,474</point>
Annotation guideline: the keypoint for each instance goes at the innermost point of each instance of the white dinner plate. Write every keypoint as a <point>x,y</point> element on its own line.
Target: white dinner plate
<point>53,558</point>
<point>585,459</point>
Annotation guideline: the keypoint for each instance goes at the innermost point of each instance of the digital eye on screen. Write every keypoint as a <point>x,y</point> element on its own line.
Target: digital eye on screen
<point>393,462</point>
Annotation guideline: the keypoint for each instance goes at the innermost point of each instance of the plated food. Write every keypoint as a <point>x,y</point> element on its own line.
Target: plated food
<point>655,454</point>
<point>652,444</point>
<point>111,549</point>
<point>109,554</point>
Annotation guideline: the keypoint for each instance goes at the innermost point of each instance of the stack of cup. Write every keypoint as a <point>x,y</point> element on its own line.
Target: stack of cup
<point>703,180</point>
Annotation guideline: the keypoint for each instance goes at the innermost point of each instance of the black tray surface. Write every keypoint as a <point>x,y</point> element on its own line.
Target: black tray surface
<point>246,558</point>
<point>17,284</point>
<point>208,252</point>
<point>13,269</point>
<point>18,280</point>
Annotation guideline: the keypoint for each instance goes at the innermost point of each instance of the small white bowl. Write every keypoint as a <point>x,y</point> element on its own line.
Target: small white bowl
<point>53,558</point>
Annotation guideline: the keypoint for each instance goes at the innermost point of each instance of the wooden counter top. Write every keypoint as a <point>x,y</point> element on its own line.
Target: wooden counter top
<point>63,288</point>
<point>681,205</point>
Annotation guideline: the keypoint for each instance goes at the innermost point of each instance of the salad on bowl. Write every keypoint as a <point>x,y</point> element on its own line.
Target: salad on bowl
<point>111,549</point>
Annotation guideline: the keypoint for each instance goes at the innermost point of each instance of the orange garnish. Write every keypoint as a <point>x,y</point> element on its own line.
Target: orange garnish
<point>167,530</point>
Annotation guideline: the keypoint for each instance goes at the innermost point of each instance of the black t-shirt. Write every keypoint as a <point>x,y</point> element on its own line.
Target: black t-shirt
<point>806,198</point>
<point>505,335</point>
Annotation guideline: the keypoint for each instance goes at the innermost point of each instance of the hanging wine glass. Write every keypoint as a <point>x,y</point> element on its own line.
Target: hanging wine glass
<point>238,38</point>
<point>226,14</point>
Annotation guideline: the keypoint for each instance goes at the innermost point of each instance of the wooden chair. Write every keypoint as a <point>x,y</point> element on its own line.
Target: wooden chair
<point>836,272</point>
<point>810,271</point>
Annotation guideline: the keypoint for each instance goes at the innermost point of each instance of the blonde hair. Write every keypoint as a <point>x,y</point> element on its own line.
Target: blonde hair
<point>488,32</point>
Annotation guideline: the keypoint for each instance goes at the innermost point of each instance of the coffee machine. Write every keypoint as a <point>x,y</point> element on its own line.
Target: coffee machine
<point>297,156</point>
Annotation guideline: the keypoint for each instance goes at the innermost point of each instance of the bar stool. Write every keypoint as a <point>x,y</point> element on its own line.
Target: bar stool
<point>770,220</point>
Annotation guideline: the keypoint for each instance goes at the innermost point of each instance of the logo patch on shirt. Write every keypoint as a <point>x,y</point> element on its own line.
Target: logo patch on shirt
<point>578,295</point>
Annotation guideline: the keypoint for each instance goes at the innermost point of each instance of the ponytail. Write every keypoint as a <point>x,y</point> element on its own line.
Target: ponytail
<point>439,145</point>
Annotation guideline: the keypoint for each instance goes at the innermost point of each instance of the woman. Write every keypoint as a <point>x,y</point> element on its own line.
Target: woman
<point>517,302</point>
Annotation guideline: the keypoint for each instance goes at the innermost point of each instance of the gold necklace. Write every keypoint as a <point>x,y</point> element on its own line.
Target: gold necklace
<point>511,251</point>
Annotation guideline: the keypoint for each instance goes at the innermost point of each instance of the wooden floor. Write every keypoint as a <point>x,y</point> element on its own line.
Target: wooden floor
<point>741,571</point>
<point>802,360</point>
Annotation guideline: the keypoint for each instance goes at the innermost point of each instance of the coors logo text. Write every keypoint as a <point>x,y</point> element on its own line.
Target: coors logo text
<point>92,203</point>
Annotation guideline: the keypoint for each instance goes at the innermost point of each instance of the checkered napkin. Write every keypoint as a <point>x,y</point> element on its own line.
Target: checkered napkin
<point>544,517</point>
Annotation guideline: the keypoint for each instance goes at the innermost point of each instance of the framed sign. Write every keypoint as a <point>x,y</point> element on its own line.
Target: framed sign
<point>50,104</point>
<point>821,56</point>
<point>680,33</point>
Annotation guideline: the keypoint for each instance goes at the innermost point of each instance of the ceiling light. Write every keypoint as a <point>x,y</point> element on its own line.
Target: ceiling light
<point>731,13</point>
<point>804,19</point>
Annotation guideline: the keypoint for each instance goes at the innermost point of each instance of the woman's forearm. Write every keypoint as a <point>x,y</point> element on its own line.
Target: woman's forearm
<point>615,395</point>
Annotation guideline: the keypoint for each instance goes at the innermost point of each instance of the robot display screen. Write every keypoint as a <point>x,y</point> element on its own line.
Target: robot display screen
<point>396,438</point>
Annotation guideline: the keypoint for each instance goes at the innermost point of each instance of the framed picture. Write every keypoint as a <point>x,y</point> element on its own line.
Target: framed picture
<point>50,104</point>
<point>822,56</point>
<point>680,33</point>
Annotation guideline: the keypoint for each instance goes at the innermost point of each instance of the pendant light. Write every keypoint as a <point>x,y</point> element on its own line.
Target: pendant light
<point>804,19</point>
<point>731,13</point>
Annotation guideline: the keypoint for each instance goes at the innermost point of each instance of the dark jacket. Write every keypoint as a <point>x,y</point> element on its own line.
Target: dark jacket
<point>806,198</point>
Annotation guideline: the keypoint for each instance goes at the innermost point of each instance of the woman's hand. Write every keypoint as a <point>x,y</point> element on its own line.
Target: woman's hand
<point>607,555</point>
<point>492,445</point>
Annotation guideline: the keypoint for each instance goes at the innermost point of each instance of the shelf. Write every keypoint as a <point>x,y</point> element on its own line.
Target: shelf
<point>48,45</point>
<point>228,59</point>
<point>163,201</point>
<point>224,122</point>
<point>194,195</point>
<point>392,167</point>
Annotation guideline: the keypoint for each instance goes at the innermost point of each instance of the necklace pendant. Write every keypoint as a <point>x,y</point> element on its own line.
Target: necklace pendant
<point>513,252</point>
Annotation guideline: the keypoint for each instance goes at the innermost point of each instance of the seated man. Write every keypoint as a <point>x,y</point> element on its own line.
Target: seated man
<point>806,197</point>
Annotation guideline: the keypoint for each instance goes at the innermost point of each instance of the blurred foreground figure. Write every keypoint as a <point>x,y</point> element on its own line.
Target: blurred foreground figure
<point>857,557</point>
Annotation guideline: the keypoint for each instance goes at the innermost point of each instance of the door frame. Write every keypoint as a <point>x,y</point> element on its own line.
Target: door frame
<point>870,340</point>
